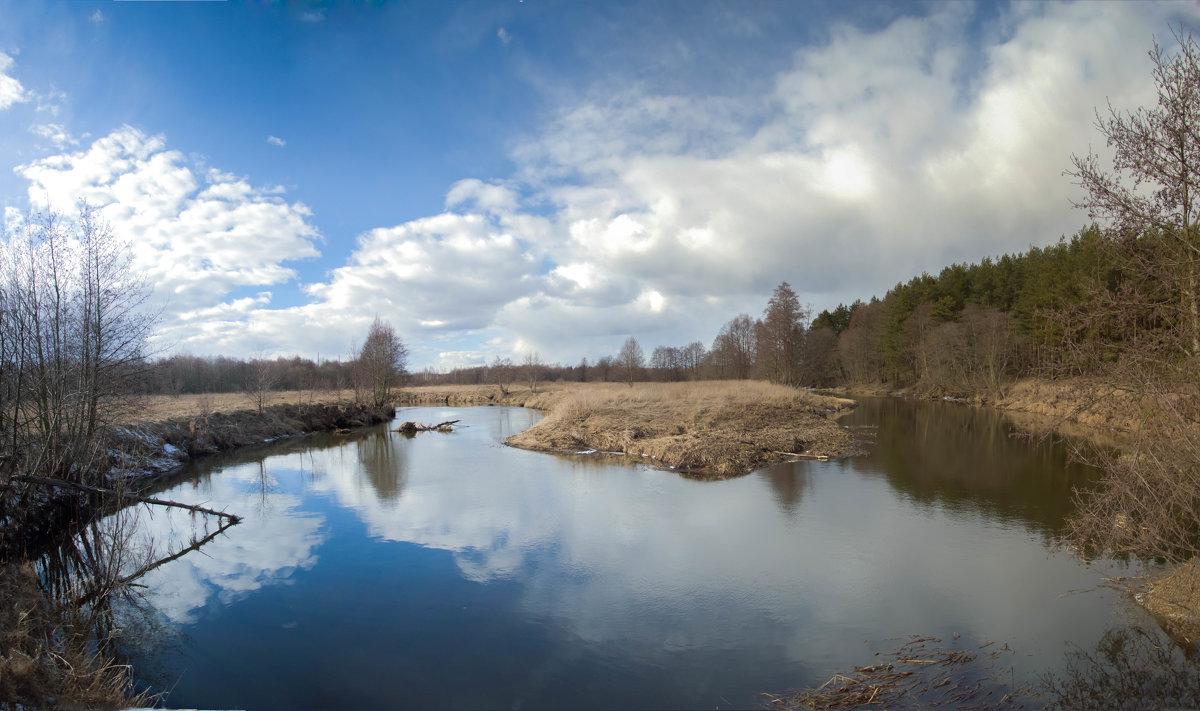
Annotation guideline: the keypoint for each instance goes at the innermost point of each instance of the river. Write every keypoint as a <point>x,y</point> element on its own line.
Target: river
<point>450,571</point>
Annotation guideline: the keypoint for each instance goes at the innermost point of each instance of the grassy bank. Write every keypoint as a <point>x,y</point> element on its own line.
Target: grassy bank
<point>711,429</point>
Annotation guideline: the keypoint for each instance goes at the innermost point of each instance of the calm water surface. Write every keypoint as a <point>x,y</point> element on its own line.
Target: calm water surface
<point>449,571</point>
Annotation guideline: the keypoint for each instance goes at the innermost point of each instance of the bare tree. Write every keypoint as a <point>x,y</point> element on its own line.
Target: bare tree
<point>735,347</point>
<point>532,365</point>
<point>630,360</point>
<point>73,326</point>
<point>502,373</point>
<point>1148,503</point>
<point>1154,184</point>
<point>260,381</point>
<point>381,363</point>
<point>781,336</point>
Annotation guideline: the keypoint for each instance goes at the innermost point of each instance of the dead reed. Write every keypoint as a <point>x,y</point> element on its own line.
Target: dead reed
<point>918,675</point>
<point>708,429</point>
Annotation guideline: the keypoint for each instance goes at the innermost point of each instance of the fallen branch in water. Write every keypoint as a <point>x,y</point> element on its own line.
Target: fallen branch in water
<point>812,457</point>
<point>195,545</point>
<point>88,489</point>
<point>410,427</point>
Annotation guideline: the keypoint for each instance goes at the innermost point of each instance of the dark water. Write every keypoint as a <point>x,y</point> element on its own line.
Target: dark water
<point>449,571</point>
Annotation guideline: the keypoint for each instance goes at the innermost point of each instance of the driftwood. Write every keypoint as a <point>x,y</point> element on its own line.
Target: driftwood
<point>413,427</point>
<point>811,457</point>
<point>124,495</point>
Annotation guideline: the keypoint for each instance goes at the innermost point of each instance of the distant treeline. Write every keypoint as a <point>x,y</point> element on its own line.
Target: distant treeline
<point>967,330</point>
<point>187,374</point>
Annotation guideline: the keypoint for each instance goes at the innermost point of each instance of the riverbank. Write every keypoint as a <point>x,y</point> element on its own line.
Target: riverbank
<point>1073,406</point>
<point>46,655</point>
<point>705,429</point>
<point>131,457</point>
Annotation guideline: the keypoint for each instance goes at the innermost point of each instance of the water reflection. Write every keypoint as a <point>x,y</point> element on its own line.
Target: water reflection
<point>404,567</point>
<point>789,483</point>
<point>382,458</point>
<point>966,458</point>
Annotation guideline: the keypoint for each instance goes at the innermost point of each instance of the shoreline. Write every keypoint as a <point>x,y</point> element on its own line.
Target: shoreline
<point>1075,407</point>
<point>702,429</point>
<point>137,455</point>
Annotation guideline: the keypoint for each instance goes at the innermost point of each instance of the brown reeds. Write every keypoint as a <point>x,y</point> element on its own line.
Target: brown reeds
<point>918,675</point>
<point>46,660</point>
<point>711,429</point>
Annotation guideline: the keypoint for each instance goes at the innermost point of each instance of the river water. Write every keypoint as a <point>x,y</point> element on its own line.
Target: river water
<point>450,571</point>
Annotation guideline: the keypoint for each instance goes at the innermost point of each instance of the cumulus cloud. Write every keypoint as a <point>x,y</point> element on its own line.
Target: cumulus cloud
<point>504,36</point>
<point>276,141</point>
<point>11,91</point>
<point>878,155</point>
<point>197,235</point>
<point>873,156</point>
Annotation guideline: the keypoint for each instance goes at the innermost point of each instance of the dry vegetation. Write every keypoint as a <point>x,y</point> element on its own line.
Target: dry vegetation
<point>710,429</point>
<point>45,660</point>
<point>918,675</point>
<point>155,408</point>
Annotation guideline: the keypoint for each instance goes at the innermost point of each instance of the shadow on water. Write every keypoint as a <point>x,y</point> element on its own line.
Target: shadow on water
<point>959,457</point>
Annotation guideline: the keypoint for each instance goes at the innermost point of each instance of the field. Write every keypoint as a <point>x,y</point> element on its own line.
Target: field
<point>155,408</point>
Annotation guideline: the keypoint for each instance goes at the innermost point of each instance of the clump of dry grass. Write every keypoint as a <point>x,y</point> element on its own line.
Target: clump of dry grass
<point>45,661</point>
<point>918,675</point>
<point>1174,599</point>
<point>713,429</point>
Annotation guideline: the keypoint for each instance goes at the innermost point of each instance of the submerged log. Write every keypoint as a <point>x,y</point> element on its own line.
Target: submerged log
<point>414,427</point>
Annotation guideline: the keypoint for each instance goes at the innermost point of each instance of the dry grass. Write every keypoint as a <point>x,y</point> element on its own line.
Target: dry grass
<point>155,408</point>
<point>919,675</point>
<point>1175,600</point>
<point>711,429</point>
<point>45,660</point>
<point>518,395</point>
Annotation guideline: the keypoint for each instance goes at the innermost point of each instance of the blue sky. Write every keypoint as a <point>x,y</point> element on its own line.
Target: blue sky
<point>496,178</point>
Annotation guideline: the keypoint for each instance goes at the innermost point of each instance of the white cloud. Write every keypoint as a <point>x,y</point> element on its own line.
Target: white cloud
<point>276,141</point>
<point>879,155</point>
<point>872,157</point>
<point>195,236</point>
<point>11,91</point>
<point>504,36</point>
<point>54,133</point>
<point>96,17</point>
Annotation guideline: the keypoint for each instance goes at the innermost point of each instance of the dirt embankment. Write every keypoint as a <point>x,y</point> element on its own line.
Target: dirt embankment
<point>181,438</point>
<point>704,429</point>
<point>130,457</point>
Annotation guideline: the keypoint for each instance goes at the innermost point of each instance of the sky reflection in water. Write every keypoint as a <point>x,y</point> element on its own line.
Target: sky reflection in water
<point>451,571</point>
